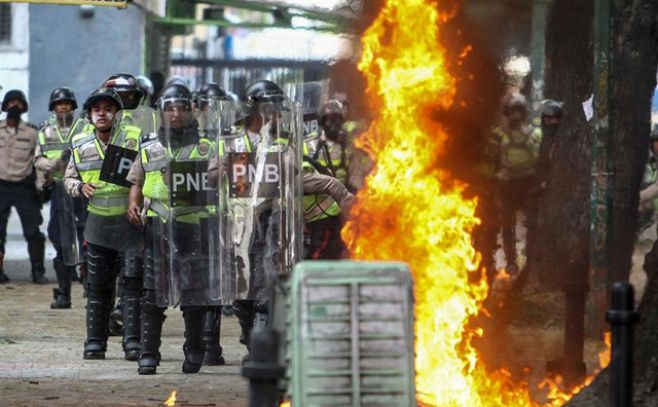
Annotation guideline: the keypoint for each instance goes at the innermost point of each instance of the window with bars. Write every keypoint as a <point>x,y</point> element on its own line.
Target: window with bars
<point>5,23</point>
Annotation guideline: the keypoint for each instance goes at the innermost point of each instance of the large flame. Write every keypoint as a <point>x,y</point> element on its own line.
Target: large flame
<point>414,211</point>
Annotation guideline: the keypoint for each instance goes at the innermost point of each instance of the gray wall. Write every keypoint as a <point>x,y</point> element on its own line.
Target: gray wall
<point>68,50</point>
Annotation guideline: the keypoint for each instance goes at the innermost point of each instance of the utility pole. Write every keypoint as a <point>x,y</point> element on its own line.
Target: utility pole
<point>602,176</point>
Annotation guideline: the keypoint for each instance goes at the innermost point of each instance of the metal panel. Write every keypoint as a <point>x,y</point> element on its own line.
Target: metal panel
<point>352,334</point>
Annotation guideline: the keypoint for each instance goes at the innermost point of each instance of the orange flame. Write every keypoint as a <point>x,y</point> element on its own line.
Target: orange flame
<point>171,401</point>
<point>412,210</point>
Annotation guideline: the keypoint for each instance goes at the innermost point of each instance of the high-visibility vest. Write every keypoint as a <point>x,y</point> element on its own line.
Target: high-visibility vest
<point>54,141</point>
<point>155,159</point>
<point>318,206</point>
<point>332,155</point>
<point>520,151</point>
<point>88,155</point>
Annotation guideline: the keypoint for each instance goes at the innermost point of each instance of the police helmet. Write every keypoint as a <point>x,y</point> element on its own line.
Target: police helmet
<point>14,94</point>
<point>176,80</point>
<point>210,91</point>
<point>262,91</point>
<point>62,94</point>
<point>145,85</point>
<point>103,93</point>
<point>125,83</point>
<point>551,108</point>
<point>175,93</point>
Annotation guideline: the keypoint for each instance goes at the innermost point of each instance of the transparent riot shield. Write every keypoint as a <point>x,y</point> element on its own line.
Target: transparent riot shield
<point>213,116</point>
<point>187,229</point>
<point>70,218</point>
<point>260,201</point>
<point>311,96</point>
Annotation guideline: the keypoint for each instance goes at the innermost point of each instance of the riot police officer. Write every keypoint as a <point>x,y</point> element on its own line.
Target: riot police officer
<point>141,121</point>
<point>52,155</point>
<point>176,231</point>
<point>107,230</point>
<point>18,141</point>
<point>262,208</point>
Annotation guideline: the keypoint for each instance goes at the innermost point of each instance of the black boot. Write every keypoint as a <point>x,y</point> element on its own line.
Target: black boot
<point>3,277</point>
<point>244,310</point>
<point>211,338</point>
<point>62,295</point>
<point>193,347</point>
<point>149,357</point>
<point>97,319</point>
<point>131,328</point>
<point>36,249</point>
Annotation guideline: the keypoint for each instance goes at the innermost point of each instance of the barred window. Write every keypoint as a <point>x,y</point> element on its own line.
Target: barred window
<point>5,23</point>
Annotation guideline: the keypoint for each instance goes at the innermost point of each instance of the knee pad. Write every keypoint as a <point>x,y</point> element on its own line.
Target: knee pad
<point>100,270</point>
<point>133,265</point>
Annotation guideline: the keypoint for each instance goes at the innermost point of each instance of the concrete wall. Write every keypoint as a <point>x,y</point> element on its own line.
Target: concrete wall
<point>14,56</point>
<point>69,50</point>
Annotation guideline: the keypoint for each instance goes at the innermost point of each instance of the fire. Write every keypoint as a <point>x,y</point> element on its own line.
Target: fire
<point>604,356</point>
<point>171,401</point>
<point>556,391</point>
<point>413,210</point>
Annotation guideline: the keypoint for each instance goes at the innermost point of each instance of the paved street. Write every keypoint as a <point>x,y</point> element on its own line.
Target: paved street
<point>41,352</point>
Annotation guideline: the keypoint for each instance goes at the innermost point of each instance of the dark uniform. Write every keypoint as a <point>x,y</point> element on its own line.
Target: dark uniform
<point>17,183</point>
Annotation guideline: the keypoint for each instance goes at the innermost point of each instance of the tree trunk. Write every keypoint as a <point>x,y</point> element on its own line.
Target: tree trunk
<point>634,62</point>
<point>561,250</point>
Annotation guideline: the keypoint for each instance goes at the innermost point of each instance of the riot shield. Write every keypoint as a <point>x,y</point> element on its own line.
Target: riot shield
<point>215,117</point>
<point>311,96</point>
<point>187,225</point>
<point>71,217</point>
<point>260,201</point>
<point>131,127</point>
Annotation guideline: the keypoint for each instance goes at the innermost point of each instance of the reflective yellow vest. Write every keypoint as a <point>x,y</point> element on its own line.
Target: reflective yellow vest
<point>53,143</point>
<point>318,206</point>
<point>520,151</point>
<point>88,155</point>
<point>155,159</point>
<point>336,161</point>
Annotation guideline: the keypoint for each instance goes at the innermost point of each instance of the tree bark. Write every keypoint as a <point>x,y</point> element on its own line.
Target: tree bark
<point>561,250</point>
<point>634,62</point>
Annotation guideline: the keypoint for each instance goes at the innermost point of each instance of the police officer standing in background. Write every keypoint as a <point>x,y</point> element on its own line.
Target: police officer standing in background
<point>519,151</point>
<point>52,155</point>
<point>18,141</point>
